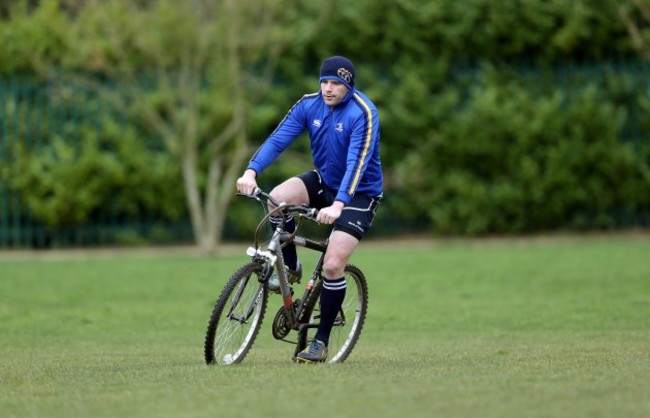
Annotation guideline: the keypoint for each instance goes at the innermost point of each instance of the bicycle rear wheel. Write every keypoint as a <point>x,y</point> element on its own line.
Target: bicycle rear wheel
<point>237,317</point>
<point>349,322</point>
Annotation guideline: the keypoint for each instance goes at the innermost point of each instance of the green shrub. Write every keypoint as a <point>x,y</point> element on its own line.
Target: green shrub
<point>468,150</point>
<point>509,162</point>
<point>68,183</point>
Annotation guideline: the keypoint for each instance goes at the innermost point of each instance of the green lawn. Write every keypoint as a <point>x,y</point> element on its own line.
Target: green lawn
<point>544,327</point>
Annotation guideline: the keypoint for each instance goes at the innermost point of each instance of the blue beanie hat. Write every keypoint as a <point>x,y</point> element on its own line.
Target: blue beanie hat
<point>338,68</point>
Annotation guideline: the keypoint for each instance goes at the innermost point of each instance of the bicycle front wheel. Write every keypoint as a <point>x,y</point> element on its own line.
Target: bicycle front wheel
<point>237,317</point>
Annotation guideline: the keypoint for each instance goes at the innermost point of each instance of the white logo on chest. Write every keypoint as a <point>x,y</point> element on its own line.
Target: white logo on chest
<point>317,123</point>
<point>339,127</point>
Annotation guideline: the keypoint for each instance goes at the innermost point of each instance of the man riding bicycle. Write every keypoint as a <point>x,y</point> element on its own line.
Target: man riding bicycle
<point>343,127</point>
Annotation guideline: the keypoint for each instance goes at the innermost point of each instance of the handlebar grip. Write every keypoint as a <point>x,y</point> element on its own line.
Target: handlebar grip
<point>255,193</point>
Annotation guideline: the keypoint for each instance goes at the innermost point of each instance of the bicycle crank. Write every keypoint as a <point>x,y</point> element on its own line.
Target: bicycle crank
<point>281,326</point>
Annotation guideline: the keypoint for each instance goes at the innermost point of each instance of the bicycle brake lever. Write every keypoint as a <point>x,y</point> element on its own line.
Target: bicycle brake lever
<point>311,214</point>
<point>255,194</point>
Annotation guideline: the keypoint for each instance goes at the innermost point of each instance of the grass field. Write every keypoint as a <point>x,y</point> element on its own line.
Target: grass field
<point>544,327</point>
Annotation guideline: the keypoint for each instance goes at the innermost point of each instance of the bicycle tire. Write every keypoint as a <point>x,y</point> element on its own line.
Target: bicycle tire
<point>233,325</point>
<point>344,335</point>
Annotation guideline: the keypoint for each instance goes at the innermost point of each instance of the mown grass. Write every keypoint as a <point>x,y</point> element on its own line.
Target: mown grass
<point>537,328</point>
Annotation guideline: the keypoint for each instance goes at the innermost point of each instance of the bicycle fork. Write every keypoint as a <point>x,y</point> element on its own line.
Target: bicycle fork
<point>274,257</point>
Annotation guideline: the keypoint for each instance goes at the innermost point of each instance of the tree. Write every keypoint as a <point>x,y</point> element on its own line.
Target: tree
<point>636,17</point>
<point>190,72</point>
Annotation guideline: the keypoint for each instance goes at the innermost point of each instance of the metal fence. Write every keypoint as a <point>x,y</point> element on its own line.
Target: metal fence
<point>32,112</point>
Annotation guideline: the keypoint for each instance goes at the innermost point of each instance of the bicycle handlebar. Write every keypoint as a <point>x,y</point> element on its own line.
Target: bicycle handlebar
<point>302,210</point>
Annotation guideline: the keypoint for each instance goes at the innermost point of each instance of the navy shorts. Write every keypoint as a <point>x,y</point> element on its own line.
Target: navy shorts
<point>356,218</point>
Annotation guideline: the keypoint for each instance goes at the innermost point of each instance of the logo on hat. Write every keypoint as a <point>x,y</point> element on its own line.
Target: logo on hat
<point>344,74</point>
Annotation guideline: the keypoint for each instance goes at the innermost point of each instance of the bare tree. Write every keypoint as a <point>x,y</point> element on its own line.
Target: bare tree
<point>636,17</point>
<point>208,61</point>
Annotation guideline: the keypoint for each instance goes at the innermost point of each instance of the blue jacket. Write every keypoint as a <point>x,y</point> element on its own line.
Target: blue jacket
<point>344,143</point>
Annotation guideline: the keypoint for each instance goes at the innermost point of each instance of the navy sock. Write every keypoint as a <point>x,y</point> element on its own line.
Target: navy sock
<point>289,252</point>
<point>331,299</point>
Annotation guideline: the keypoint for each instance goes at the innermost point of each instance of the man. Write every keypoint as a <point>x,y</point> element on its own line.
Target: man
<point>343,127</point>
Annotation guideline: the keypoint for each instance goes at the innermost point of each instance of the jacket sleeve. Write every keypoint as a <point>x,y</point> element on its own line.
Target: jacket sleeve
<point>364,139</point>
<point>284,134</point>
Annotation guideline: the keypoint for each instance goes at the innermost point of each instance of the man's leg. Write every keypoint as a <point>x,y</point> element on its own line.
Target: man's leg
<point>349,229</point>
<point>339,250</point>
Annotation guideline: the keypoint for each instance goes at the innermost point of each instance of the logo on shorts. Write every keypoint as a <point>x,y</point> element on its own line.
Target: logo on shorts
<point>317,123</point>
<point>356,226</point>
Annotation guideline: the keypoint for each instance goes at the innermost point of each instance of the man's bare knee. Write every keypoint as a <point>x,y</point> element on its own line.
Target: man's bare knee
<point>292,191</point>
<point>333,268</point>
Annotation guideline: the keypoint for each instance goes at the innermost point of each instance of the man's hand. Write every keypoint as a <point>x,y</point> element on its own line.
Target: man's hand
<point>330,214</point>
<point>247,184</point>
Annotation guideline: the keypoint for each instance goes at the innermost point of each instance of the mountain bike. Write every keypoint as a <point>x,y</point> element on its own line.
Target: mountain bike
<point>239,310</point>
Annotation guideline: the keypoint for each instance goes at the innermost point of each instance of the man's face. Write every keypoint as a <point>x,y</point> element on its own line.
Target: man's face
<point>333,92</point>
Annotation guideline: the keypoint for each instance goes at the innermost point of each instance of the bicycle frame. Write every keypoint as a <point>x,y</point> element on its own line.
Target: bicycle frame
<point>273,254</point>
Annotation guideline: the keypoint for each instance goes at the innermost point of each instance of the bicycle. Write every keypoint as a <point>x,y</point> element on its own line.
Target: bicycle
<point>239,310</point>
